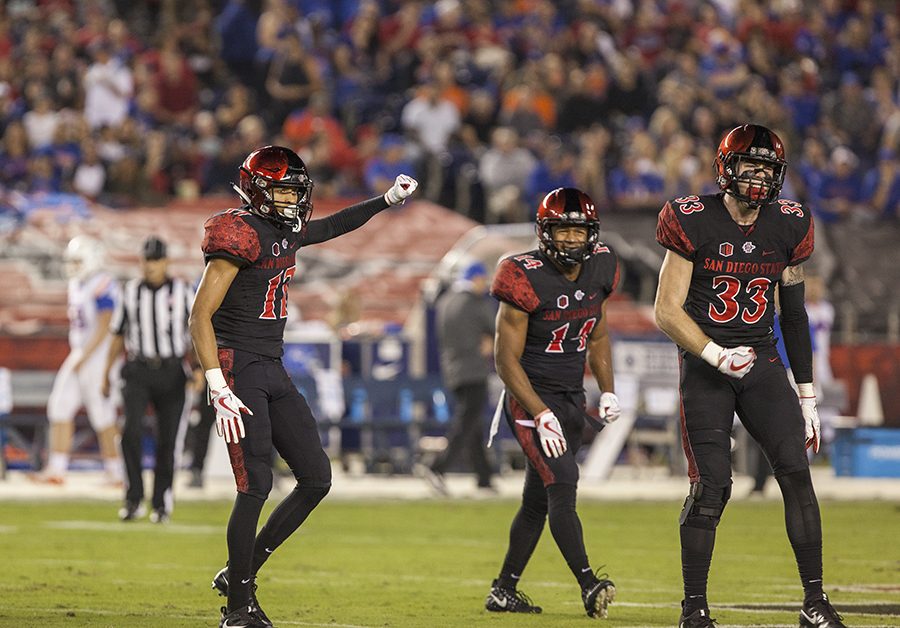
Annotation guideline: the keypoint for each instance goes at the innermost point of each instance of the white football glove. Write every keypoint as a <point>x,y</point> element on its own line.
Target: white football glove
<point>551,435</point>
<point>735,362</point>
<point>228,407</point>
<point>810,415</point>
<point>609,407</point>
<point>403,187</point>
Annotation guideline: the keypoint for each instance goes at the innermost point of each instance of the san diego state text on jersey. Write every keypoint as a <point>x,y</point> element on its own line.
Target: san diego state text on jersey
<point>562,313</point>
<point>254,311</point>
<point>736,269</point>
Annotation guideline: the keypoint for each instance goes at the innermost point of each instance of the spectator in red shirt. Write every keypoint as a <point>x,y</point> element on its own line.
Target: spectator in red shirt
<point>176,88</point>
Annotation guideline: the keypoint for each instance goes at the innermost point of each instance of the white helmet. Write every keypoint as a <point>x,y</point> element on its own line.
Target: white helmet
<point>83,257</point>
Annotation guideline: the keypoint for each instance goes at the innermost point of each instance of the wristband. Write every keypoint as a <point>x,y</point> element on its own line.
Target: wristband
<point>215,380</point>
<point>711,353</point>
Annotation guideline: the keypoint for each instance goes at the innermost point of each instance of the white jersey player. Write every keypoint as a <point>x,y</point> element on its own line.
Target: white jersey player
<point>93,294</point>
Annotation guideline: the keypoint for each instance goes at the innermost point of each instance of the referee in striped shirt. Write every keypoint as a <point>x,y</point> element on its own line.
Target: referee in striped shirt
<point>150,323</point>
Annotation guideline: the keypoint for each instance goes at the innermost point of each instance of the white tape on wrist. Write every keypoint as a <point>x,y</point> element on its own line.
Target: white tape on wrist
<point>807,391</point>
<point>711,353</point>
<point>215,380</point>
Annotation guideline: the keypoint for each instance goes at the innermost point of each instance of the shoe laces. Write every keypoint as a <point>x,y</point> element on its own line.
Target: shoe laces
<point>599,576</point>
<point>705,620</point>
<point>519,597</point>
<point>823,607</point>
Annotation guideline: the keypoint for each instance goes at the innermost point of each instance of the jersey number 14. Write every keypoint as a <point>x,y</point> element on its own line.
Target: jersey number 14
<point>559,334</point>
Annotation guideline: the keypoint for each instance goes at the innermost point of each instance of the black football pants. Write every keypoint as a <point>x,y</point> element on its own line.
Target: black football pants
<point>162,385</point>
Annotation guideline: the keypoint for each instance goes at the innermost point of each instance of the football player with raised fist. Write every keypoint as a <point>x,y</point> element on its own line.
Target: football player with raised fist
<point>237,325</point>
<point>552,319</point>
<point>728,254</point>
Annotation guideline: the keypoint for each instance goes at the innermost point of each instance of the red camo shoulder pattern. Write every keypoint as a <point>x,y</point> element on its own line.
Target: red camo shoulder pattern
<point>512,285</point>
<point>670,233</point>
<point>803,250</point>
<point>229,233</point>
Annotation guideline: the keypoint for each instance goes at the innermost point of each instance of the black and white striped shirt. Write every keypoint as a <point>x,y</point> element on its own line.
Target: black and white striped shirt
<point>154,321</point>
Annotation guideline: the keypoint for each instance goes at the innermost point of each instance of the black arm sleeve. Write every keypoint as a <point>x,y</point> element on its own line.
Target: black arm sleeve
<point>795,331</point>
<point>342,222</point>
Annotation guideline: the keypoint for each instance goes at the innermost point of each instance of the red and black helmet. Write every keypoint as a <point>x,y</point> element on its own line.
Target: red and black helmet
<point>759,146</point>
<point>273,167</point>
<point>572,208</point>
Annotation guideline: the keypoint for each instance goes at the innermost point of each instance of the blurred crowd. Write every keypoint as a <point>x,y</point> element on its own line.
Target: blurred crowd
<point>488,103</point>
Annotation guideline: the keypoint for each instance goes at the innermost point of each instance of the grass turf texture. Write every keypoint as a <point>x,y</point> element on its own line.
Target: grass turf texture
<point>428,563</point>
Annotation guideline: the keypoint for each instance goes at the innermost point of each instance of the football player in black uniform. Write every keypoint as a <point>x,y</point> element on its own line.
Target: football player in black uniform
<point>237,324</point>
<point>553,314</point>
<point>726,254</point>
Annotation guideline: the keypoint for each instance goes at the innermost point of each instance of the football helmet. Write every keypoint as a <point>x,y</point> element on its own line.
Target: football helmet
<point>276,167</point>
<point>83,257</point>
<point>759,146</point>
<point>569,207</point>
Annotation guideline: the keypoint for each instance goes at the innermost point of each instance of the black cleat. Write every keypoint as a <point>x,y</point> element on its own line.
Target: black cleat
<point>698,619</point>
<point>220,584</point>
<point>243,617</point>
<point>820,613</point>
<point>503,600</point>
<point>598,596</point>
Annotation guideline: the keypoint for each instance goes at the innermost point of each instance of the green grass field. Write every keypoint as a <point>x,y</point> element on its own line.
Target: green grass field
<point>428,564</point>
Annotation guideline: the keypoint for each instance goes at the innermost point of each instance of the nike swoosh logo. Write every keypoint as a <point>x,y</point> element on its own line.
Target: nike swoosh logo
<point>246,581</point>
<point>591,297</point>
<point>768,253</point>
<point>225,406</point>
<point>228,624</point>
<point>498,601</point>
<point>269,551</point>
<point>738,367</point>
<point>773,359</point>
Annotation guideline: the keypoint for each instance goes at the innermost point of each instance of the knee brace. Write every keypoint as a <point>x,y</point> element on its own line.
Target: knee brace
<point>704,505</point>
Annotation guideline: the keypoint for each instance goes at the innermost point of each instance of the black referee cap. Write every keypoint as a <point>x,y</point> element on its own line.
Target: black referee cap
<point>154,248</point>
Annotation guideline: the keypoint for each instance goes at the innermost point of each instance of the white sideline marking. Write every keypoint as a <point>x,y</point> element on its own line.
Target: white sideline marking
<point>9,529</point>
<point>133,526</point>
<point>56,612</point>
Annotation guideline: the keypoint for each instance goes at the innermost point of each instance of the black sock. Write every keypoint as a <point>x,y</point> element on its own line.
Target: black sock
<point>696,554</point>
<point>241,531</point>
<point>285,519</point>
<point>804,528</point>
<point>566,528</point>
<point>525,530</point>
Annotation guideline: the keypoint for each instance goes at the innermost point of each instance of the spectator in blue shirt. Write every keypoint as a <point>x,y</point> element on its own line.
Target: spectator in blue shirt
<point>840,187</point>
<point>555,170</point>
<point>881,186</point>
<point>635,185</point>
<point>391,162</point>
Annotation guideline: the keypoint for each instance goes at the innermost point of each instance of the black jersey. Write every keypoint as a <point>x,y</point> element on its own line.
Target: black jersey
<point>254,311</point>
<point>736,268</point>
<point>561,313</point>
